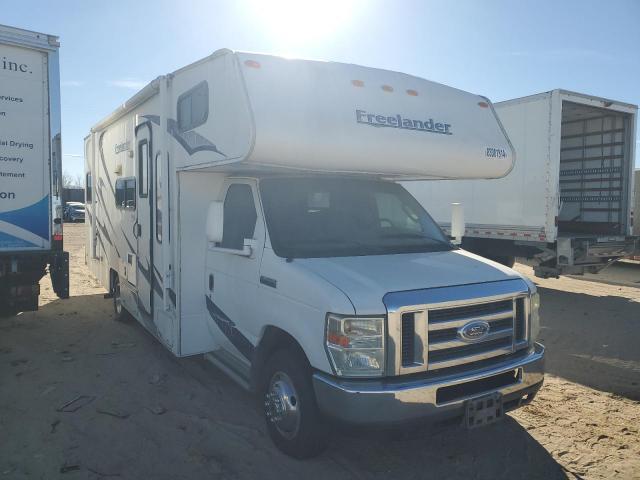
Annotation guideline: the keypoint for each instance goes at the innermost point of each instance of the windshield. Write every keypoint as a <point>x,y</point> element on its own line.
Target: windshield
<point>329,217</point>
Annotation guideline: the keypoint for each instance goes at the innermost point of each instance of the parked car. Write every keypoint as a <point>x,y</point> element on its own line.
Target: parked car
<point>74,212</point>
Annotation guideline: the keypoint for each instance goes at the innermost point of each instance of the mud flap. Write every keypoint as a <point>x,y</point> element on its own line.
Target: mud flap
<point>59,272</point>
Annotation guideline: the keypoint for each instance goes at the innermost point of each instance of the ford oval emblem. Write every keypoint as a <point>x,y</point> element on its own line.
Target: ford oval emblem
<point>474,331</point>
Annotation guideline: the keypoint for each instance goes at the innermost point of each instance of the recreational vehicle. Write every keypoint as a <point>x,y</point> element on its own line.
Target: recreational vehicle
<point>246,207</point>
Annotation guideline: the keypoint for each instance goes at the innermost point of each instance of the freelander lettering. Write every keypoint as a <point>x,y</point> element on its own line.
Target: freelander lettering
<point>397,121</point>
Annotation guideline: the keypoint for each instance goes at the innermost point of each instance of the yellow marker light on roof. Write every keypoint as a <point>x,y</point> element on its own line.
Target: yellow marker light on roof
<point>387,88</point>
<point>413,93</point>
<point>252,64</point>
<point>483,104</point>
<point>357,83</point>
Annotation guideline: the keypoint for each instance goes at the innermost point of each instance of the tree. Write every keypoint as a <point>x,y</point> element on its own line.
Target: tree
<point>72,181</point>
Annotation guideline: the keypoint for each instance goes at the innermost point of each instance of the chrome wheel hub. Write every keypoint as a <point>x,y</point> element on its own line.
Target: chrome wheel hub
<point>282,405</point>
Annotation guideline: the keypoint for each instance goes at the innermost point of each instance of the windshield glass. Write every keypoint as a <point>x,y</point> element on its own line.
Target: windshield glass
<point>329,217</point>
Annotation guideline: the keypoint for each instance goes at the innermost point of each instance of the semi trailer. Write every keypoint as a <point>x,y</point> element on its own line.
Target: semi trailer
<point>566,206</point>
<point>247,208</point>
<point>30,170</point>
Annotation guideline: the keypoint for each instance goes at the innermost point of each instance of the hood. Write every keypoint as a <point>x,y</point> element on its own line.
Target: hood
<point>365,280</point>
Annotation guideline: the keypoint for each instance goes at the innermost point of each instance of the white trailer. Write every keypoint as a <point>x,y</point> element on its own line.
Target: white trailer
<point>30,169</point>
<point>567,203</point>
<point>243,208</point>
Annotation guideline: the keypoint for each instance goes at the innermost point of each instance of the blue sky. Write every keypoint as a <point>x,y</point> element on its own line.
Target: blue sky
<point>501,49</point>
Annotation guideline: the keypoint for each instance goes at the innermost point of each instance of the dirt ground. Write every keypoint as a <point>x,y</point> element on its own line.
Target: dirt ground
<point>144,414</point>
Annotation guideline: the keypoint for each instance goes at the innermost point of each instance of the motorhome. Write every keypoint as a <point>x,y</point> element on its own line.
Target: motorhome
<point>247,207</point>
<point>566,206</point>
<point>30,170</point>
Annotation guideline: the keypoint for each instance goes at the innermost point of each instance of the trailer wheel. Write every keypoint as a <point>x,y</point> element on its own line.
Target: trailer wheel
<point>293,420</point>
<point>120,313</point>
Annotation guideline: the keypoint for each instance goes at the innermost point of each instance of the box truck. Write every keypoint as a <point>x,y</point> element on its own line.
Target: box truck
<point>30,169</point>
<point>246,207</point>
<point>566,205</point>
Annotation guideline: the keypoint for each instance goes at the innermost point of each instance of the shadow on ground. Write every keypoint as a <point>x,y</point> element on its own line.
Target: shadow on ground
<point>592,340</point>
<point>151,415</point>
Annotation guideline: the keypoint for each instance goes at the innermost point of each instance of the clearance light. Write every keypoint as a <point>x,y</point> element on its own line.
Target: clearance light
<point>387,88</point>
<point>413,93</point>
<point>357,83</point>
<point>252,64</point>
<point>483,104</point>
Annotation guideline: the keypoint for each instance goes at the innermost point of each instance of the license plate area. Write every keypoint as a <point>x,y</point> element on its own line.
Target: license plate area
<point>484,410</point>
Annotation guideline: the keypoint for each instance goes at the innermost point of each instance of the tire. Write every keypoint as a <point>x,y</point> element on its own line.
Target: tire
<point>291,413</point>
<point>120,313</point>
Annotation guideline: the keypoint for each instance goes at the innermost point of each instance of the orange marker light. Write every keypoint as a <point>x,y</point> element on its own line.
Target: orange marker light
<point>483,104</point>
<point>357,83</point>
<point>252,64</point>
<point>387,88</point>
<point>413,93</point>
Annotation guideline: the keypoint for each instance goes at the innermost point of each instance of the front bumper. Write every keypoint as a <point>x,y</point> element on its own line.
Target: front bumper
<point>390,401</point>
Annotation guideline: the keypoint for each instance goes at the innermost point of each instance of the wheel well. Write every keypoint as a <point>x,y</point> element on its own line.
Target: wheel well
<point>272,340</point>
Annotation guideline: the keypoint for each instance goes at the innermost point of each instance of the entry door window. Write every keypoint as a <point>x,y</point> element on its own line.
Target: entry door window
<point>239,217</point>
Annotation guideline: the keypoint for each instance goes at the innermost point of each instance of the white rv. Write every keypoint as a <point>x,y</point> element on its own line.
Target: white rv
<point>31,240</point>
<point>567,204</point>
<point>245,207</point>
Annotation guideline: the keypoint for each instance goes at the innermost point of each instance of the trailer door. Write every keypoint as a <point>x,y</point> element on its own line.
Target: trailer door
<point>144,225</point>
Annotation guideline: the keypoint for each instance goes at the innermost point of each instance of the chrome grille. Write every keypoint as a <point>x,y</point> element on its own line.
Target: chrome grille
<point>425,326</point>
<point>447,348</point>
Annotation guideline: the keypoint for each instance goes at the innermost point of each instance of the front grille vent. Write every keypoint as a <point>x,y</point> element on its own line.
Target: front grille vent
<point>445,345</point>
<point>408,339</point>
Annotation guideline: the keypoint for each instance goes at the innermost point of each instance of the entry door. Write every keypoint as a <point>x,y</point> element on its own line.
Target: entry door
<point>144,225</point>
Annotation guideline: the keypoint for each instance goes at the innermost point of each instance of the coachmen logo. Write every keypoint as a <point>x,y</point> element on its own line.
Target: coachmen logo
<point>474,331</point>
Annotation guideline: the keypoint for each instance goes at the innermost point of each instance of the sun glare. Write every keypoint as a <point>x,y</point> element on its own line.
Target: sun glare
<point>291,23</point>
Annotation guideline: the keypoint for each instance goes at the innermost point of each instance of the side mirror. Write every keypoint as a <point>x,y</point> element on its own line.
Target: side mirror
<point>215,222</point>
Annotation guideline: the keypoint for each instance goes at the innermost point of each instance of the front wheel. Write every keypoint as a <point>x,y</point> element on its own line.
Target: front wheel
<point>291,413</point>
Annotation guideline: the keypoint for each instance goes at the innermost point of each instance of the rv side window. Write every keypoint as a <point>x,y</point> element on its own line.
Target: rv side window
<point>239,217</point>
<point>143,166</point>
<point>126,193</point>
<point>88,188</point>
<point>193,107</point>
<point>157,171</point>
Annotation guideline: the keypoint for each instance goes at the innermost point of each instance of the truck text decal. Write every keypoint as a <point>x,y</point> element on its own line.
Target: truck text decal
<point>397,121</point>
<point>10,66</point>
<point>496,152</point>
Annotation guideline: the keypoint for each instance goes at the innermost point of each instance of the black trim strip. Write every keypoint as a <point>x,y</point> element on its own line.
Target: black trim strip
<point>242,343</point>
<point>269,282</point>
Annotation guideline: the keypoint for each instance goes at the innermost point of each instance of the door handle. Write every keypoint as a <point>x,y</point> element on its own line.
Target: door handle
<point>137,230</point>
<point>211,283</point>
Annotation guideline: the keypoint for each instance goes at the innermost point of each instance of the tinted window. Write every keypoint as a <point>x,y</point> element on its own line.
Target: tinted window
<point>143,166</point>
<point>88,188</point>
<point>193,107</point>
<point>330,217</point>
<point>158,173</point>
<point>239,217</point>
<point>126,193</point>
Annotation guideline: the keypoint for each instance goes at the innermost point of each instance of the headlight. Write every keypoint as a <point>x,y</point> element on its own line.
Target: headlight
<point>535,316</point>
<point>355,345</point>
